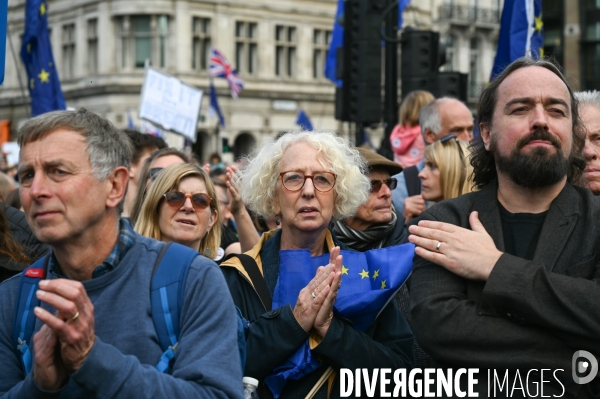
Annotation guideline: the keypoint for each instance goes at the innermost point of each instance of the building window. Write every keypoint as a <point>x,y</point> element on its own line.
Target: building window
<point>68,51</point>
<point>246,47</point>
<point>450,53</point>
<point>285,51</point>
<point>201,43</point>
<point>143,37</point>
<point>92,40</point>
<point>474,68</point>
<point>321,40</point>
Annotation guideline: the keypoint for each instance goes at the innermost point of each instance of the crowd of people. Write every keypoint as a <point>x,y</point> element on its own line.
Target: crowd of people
<point>505,272</point>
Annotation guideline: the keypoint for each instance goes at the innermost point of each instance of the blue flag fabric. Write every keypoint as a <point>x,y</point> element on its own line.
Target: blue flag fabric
<point>214,104</point>
<point>3,22</point>
<point>521,33</point>
<point>130,124</point>
<point>369,281</point>
<point>303,121</point>
<point>36,52</point>
<point>337,40</point>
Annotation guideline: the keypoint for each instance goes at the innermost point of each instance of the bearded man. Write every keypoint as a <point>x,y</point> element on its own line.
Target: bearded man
<point>517,291</point>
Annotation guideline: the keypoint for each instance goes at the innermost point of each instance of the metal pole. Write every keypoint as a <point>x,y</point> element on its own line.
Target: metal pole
<point>390,104</point>
<point>14,56</point>
<point>358,134</point>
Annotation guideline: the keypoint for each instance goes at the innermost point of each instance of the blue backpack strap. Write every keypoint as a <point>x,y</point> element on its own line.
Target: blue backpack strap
<point>243,327</point>
<point>166,295</point>
<point>24,321</point>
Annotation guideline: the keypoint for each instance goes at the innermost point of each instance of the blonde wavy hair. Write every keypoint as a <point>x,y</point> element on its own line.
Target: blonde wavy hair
<point>452,158</point>
<point>258,180</point>
<point>169,179</point>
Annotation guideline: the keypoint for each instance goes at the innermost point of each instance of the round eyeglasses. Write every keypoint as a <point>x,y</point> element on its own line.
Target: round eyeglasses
<point>294,181</point>
<point>176,199</point>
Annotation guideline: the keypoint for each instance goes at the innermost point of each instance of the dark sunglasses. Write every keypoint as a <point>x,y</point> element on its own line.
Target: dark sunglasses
<point>153,173</point>
<point>376,184</point>
<point>449,137</point>
<point>176,199</point>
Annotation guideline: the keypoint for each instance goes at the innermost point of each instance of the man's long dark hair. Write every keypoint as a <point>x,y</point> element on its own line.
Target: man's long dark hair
<point>484,164</point>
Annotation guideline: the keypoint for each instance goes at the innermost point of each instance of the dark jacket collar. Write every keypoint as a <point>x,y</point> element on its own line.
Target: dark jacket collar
<point>559,224</point>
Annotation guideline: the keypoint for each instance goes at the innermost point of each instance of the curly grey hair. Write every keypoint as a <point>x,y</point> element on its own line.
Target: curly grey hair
<point>258,180</point>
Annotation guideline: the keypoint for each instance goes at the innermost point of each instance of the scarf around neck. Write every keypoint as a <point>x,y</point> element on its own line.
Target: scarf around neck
<point>363,240</point>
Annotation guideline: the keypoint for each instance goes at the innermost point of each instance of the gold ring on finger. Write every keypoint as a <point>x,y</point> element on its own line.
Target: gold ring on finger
<point>75,316</point>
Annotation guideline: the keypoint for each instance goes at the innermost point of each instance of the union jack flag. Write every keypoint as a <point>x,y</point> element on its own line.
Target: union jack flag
<point>221,68</point>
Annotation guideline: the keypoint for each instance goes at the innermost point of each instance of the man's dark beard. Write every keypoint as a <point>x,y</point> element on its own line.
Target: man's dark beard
<point>538,168</point>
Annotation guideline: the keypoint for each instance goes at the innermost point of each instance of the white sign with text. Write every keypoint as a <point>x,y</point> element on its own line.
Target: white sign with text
<point>170,104</point>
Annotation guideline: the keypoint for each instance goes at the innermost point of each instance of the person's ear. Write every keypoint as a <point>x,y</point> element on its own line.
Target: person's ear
<point>430,137</point>
<point>486,134</point>
<point>214,216</point>
<point>116,186</point>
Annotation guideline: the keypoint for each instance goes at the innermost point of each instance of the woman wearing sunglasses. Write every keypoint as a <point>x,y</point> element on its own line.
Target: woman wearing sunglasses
<point>447,172</point>
<point>307,180</point>
<point>181,206</point>
<point>153,165</point>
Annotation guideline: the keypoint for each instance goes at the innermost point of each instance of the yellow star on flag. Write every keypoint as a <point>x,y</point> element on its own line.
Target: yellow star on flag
<point>44,76</point>
<point>376,274</point>
<point>541,52</point>
<point>539,24</point>
<point>42,9</point>
<point>31,83</point>
<point>344,269</point>
<point>383,284</point>
<point>364,274</point>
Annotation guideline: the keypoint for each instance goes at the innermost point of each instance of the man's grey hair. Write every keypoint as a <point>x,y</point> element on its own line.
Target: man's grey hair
<point>430,118</point>
<point>591,97</point>
<point>107,147</point>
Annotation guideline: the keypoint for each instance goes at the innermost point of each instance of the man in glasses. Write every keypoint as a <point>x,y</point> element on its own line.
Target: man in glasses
<point>94,335</point>
<point>438,119</point>
<point>375,224</point>
<point>506,279</point>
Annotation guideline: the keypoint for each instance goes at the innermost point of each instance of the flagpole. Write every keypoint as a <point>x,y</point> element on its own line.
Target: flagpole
<point>12,50</point>
<point>217,145</point>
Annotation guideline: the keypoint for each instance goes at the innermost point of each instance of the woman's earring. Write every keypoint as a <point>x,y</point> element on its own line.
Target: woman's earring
<point>277,222</point>
<point>207,252</point>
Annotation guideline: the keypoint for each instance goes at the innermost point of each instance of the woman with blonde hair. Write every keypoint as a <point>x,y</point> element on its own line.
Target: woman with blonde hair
<point>181,206</point>
<point>448,171</point>
<point>406,138</point>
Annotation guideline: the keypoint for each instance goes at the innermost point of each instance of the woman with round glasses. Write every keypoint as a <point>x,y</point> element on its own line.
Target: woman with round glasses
<point>307,180</point>
<point>447,172</point>
<point>181,206</point>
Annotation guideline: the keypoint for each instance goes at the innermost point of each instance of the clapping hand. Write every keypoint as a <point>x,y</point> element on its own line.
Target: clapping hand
<point>314,306</point>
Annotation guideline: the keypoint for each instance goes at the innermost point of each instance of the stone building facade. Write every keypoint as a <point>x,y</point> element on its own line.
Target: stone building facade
<point>278,47</point>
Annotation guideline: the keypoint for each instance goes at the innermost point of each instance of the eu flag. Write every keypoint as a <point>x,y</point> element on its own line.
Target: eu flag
<point>369,281</point>
<point>214,104</point>
<point>36,52</point>
<point>521,33</point>
<point>304,121</point>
